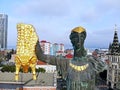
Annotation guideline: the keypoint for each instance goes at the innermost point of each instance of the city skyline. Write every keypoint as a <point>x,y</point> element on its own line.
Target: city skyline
<point>54,19</point>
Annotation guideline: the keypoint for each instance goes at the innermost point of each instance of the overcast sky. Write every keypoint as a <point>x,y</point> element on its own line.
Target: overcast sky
<point>54,19</point>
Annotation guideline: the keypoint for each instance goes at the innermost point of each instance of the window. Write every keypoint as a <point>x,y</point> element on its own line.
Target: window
<point>115,71</point>
<point>116,66</point>
<point>115,79</point>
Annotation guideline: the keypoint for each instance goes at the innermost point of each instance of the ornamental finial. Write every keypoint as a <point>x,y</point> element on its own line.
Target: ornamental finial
<point>115,27</point>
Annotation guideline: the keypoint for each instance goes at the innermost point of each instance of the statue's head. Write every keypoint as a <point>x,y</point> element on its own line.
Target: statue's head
<point>77,37</point>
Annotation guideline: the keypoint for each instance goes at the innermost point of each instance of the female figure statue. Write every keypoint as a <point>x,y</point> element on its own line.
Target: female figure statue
<point>80,76</point>
<point>80,71</point>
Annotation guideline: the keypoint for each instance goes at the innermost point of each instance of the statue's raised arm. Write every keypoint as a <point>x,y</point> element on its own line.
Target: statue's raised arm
<point>80,71</point>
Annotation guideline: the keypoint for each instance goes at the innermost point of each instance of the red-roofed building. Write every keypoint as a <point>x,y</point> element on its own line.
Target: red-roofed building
<point>59,53</point>
<point>69,56</point>
<point>41,63</point>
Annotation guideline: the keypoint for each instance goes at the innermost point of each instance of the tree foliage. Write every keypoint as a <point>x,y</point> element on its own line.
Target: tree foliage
<point>7,68</point>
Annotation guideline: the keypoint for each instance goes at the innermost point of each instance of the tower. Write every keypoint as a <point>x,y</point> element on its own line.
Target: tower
<point>3,31</point>
<point>113,77</point>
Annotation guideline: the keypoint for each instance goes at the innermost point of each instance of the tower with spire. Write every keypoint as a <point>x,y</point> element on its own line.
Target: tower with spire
<point>113,72</point>
<point>115,46</point>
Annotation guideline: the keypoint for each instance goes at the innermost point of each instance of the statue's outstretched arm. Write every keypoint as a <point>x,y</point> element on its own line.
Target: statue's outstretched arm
<point>60,62</point>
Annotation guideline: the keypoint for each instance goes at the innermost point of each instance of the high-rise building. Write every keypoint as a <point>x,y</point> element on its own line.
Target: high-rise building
<point>51,49</point>
<point>45,47</point>
<point>61,47</point>
<point>58,49</point>
<point>113,72</point>
<point>3,31</point>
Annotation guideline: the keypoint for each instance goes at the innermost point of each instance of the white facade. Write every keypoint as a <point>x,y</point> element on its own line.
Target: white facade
<point>113,73</point>
<point>51,49</point>
<point>88,51</point>
<point>3,31</point>
<point>48,68</point>
<point>45,47</point>
<point>61,47</point>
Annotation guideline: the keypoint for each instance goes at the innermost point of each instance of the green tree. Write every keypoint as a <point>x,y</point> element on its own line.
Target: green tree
<point>41,70</point>
<point>7,68</point>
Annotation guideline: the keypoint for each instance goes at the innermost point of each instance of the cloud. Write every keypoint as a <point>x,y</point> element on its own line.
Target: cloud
<point>54,19</point>
<point>90,16</point>
<point>109,4</point>
<point>108,7</point>
<point>94,12</point>
<point>100,38</point>
<point>46,8</point>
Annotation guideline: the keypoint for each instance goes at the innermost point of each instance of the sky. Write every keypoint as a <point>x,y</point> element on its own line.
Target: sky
<point>54,19</point>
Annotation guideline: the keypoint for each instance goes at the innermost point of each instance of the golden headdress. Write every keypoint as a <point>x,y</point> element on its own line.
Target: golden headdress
<point>79,29</point>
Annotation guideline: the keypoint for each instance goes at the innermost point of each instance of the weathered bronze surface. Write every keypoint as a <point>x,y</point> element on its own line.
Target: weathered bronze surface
<point>79,72</point>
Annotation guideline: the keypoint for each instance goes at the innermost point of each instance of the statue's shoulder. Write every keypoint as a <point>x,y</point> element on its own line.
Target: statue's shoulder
<point>91,59</point>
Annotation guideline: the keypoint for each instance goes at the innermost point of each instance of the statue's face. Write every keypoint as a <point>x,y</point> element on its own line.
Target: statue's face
<point>77,39</point>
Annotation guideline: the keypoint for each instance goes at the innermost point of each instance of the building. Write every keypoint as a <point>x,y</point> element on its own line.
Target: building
<point>61,47</point>
<point>69,53</point>
<point>55,48</point>
<point>101,53</point>
<point>88,51</point>
<point>69,56</point>
<point>41,63</point>
<point>45,81</point>
<point>113,72</point>
<point>48,68</point>
<point>59,51</point>
<point>45,47</point>
<point>52,49</point>
<point>3,31</point>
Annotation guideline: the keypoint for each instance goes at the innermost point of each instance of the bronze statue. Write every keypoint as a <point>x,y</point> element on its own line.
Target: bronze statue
<point>81,75</point>
<point>79,72</point>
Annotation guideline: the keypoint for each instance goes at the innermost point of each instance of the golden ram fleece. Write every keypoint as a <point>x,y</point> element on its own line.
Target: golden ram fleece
<point>25,52</point>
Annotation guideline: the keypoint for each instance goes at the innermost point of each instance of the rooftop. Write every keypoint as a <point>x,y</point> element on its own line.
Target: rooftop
<point>26,79</point>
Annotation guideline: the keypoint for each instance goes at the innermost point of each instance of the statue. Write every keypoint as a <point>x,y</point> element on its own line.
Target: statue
<point>79,72</point>
<point>82,68</point>
<point>25,52</point>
